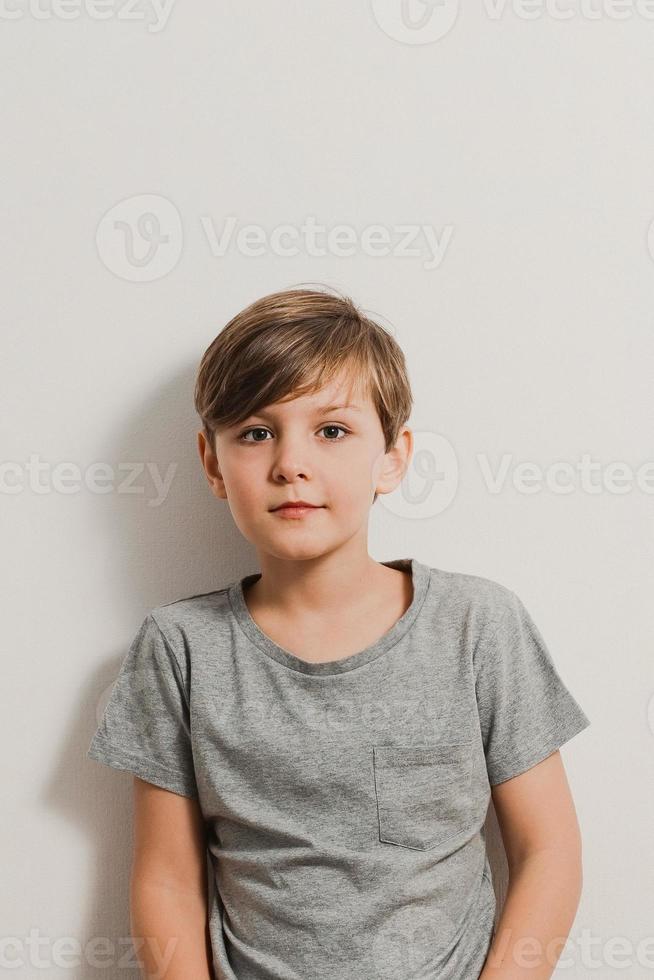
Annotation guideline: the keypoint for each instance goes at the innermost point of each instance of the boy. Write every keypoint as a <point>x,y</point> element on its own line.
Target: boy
<point>330,730</point>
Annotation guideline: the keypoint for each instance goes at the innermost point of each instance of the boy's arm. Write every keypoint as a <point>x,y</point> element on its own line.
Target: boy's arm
<point>541,837</point>
<point>168,886</point>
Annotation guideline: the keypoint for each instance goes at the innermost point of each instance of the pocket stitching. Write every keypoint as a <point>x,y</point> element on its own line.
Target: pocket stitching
<point>378,765</point>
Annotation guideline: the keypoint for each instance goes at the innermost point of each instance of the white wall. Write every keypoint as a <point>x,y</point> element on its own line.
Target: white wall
<point>526,148</point>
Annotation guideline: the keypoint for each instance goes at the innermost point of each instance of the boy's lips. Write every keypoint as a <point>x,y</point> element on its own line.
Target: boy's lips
<point>299,504</point>
<point>296,508</point>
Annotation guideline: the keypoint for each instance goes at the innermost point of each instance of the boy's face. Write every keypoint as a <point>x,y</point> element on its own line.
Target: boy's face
<point>300,450</point>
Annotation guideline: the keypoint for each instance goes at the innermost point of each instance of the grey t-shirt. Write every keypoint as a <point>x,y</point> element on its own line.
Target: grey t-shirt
<point>344,800</point>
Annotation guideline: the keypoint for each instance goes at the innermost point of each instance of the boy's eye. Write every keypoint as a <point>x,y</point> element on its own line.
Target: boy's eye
<point>248,431</point>
<point>345,431</point>
<point>260,429</point>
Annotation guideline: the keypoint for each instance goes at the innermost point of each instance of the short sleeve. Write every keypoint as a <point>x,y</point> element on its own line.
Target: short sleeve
<point>145,728</point>
<point>526,711</point>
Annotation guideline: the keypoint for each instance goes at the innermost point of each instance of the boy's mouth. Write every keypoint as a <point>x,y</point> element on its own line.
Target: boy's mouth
<point>297,506</point>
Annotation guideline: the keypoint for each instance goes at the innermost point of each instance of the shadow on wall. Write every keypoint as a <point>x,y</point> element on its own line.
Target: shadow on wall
<point>161,535</point>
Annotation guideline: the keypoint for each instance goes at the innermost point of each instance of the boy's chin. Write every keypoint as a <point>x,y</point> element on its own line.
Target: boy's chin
<point>303,548</point>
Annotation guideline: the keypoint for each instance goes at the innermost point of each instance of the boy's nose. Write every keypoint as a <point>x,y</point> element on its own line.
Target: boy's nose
<point>287,471</point>
<point>290,464</point>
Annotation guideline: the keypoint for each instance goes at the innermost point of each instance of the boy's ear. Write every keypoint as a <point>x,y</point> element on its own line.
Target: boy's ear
<point>211,468</point>
<point>395,462</point>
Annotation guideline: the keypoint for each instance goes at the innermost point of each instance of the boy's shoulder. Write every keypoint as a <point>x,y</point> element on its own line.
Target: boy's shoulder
<point>191,613</point>
<point>471,597</point>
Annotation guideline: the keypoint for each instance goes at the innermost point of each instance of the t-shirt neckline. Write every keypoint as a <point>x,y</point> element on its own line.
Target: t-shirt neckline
<point>420,577</point>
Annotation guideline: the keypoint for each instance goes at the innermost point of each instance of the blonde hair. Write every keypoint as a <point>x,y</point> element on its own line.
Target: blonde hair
<point>291,343</point>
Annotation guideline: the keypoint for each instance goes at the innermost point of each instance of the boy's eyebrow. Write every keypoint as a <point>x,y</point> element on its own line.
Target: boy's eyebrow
<point>337,408</point>
<point>319,410</point>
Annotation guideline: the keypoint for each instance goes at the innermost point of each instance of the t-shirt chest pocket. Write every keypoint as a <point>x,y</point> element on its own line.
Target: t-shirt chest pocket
<point>423,793</point>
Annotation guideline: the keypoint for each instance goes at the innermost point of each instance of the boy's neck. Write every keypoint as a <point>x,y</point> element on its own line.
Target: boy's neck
<point>348,617</point>
<point>322,587</point>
